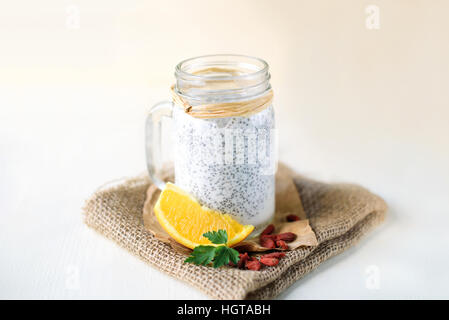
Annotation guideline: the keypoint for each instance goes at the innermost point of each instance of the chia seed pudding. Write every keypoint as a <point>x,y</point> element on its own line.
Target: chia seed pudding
<point>225,163</point>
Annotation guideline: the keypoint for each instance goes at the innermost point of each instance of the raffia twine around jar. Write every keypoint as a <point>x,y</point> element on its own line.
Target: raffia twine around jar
<point>223,109</point>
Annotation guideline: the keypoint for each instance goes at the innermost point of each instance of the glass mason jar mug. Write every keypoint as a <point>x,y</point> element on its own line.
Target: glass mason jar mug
<point>222,136</point>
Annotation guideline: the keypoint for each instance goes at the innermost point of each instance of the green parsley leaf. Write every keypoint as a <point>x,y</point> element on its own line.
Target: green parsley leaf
<point>202,255</point>
<point>225,254</point>
<point>219,255</point>
<point>217,237</point>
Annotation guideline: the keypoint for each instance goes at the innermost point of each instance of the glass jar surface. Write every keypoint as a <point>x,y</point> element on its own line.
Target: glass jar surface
<point>226,163</point>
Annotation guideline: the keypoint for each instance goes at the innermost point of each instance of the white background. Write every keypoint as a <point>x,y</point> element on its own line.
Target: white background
<point>352,104</point>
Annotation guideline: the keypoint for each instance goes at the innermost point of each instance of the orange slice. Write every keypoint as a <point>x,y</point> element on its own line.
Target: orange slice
<point>185,220</point>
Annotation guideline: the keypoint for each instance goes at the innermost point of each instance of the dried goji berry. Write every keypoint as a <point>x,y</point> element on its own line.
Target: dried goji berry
<point>270,236</point>
<point>269,261</point>
<point>267,242</point>
<point>287,236</point>
<point>281,244</point>
<point>277,255</point>
<point>243,258</point>
<point>292,217</point>
<point>253,265</point>
<point>268,230</point>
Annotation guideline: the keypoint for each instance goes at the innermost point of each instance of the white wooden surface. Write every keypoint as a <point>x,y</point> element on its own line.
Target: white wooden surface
<point>58,144</point>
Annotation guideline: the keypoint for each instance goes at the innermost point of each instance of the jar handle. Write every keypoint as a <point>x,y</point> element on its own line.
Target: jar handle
<point>153,139</point>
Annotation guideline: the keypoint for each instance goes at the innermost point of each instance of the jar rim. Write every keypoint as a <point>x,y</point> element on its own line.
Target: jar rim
<point>180,72</point>
<point>222,78</point>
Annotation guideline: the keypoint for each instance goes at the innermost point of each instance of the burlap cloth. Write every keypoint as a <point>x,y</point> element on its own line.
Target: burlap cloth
<point>339,214</point>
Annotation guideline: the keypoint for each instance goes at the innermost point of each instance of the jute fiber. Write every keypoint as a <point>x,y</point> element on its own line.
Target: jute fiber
<point>339,214</point>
